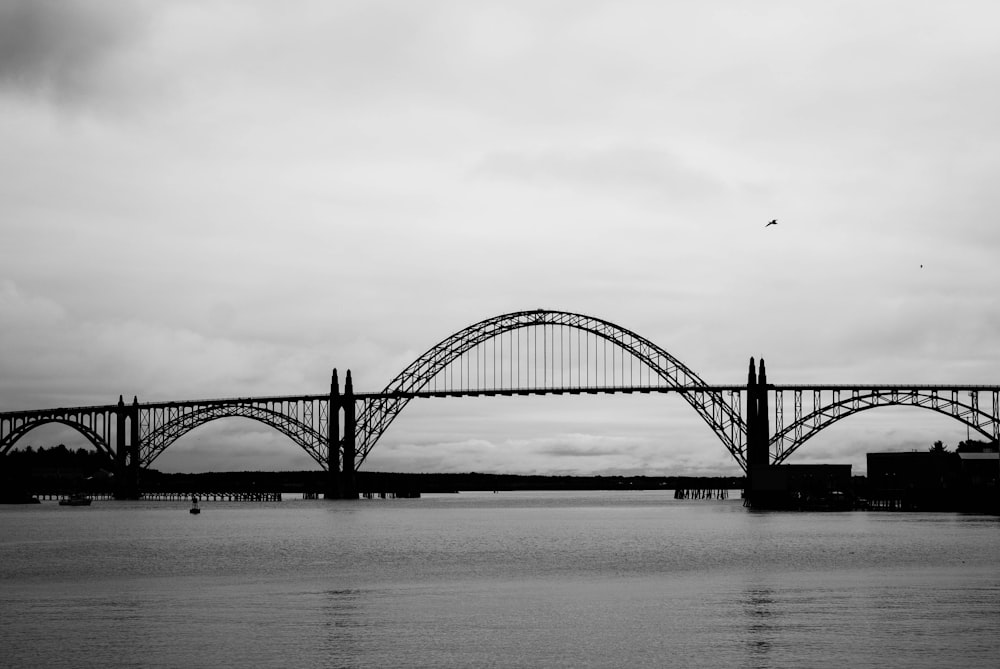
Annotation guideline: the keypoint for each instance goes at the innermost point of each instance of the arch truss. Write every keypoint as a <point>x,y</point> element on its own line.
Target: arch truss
<point>542,352</point>
<point>97,424</point>
<point>815,408</point>
<point>303,419</point>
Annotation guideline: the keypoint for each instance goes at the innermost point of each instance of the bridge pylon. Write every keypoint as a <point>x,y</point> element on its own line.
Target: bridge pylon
<point>348,480</point>
<point>127,449</point>
<point>758,425</point>
<point>333,483</point>
<point>341,453</point>
<point>121,451</point>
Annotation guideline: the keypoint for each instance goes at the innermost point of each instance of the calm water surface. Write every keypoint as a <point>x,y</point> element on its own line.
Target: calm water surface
<point>533,579</point>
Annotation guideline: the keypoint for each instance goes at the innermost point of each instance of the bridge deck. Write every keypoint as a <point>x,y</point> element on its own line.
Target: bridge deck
<point>511,392</point>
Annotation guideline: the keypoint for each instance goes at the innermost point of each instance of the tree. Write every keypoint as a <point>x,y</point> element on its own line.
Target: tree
<point>939,447</point>
<point>976,446</point>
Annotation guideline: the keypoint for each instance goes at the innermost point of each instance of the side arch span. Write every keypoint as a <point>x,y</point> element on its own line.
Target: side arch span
<point>791,438</point>
<point>87,431</point>
<point>156,439</point>
<point>378,413</point>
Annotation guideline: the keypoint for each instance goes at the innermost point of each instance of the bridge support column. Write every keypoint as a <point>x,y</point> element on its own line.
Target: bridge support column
<point>333,490</point>
<point>348,483</point>
<point>763,417</point>
<point>131,485</point>
<point>758,430</point>
<point>121,452</point>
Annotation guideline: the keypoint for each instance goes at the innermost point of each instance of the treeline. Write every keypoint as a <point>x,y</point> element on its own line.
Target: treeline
<point>403,482</point>
<point>42,470</point>
<point>968,446</point>
<point>394,482</point>
<point>28,472</point>
<point>58,458</point>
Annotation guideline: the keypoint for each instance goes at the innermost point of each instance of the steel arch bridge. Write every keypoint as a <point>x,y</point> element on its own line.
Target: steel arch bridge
<point>537,352</point>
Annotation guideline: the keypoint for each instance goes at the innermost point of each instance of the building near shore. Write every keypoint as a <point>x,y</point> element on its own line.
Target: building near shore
<point>805,487</point>
<point>964,480</point>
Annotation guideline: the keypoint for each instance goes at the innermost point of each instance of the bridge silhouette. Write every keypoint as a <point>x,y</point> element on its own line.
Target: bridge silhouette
<point>538,352</point>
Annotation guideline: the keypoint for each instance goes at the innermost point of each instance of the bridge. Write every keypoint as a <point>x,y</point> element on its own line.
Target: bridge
<point>537,352</point>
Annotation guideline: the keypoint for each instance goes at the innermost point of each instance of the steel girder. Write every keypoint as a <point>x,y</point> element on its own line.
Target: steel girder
<point>86,422</point>
<point>378,413</point>
<point>162,425</point>
<point>787,440</point>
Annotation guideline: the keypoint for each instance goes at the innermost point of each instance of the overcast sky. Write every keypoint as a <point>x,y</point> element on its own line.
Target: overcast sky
<point>210,199</point>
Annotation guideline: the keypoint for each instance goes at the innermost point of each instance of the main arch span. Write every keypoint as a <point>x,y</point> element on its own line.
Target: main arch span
<point>547,352</point>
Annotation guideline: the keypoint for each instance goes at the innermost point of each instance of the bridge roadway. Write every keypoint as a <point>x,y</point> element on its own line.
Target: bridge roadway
<point>510,392</point>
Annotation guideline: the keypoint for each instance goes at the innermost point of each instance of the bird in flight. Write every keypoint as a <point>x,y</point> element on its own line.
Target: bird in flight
<point>773,221</point>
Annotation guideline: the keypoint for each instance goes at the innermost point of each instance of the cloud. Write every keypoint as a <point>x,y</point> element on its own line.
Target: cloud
<point>627,434</point>
<point>646,170</point>
<point>234,444</point>
<point>583,446</point>
<point>84,361</point>
<point>62,49</point>
<point>24,312</point>
<point>612,452</point>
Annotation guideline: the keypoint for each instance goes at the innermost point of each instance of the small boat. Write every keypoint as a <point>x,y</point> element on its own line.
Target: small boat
<point>76,499</point>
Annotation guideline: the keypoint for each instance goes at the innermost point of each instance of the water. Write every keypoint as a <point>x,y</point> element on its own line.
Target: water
<point>531,579</point>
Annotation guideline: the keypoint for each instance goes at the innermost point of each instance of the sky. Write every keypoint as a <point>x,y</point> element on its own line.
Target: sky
<point>207,199</point>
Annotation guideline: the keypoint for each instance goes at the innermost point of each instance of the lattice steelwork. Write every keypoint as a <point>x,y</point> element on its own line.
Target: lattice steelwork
<point>303,419</point>
<point>534,352</point>
<point>96,423</point>
<point>817,407</point>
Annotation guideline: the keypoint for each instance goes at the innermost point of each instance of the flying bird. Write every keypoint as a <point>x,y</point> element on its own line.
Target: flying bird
<point>773,221</point>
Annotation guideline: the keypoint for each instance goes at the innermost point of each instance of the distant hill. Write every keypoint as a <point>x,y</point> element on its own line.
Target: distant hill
<point>59,469</point>
<point>392,482</point>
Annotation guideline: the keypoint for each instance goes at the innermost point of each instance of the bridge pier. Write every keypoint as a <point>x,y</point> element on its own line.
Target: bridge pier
<point>348,482</point>
<point>121,452</point>
<point>341,454</point>
<point>127,450</point>
<point>333,490</point>
<point>758,426</point>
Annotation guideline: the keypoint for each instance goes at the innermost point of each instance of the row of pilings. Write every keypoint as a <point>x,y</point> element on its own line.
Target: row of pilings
<point>213,496</point>
<point>701,494</point>
<point>174,496</point>
<point>65,495</point>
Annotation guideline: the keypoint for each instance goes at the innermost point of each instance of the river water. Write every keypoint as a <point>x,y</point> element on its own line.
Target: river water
<point>515,579</point>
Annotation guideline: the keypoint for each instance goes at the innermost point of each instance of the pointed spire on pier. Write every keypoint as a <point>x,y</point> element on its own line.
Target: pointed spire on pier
<point>757,424</point>
<point>763,413</point>
<point>348,485</point>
